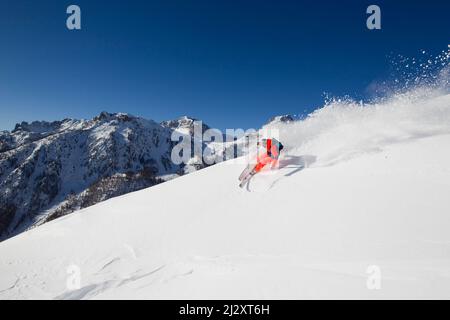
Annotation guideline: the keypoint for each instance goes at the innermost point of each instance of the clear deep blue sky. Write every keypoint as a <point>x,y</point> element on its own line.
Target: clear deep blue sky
<point>231,63</point>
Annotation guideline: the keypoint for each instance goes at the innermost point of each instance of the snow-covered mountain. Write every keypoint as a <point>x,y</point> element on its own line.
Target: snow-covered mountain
<point>49,169</point>
<point>184,125</point>
<point>283,119</point>
<point>359,208</point>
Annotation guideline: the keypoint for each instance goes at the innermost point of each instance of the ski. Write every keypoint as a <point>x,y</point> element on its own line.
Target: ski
<point>246,178</point>
<point>246,171</point>
<point>243,182</point>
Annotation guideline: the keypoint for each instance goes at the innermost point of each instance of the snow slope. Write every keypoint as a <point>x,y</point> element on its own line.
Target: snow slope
<point>359,186</point>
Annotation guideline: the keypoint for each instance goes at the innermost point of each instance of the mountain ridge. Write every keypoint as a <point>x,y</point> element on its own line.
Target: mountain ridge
<point>52,168</point>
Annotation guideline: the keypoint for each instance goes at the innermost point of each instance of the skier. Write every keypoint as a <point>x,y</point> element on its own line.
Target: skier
<point>272,148</point>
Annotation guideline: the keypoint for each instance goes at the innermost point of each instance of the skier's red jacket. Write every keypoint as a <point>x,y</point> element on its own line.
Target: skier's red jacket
<point>271,154</point>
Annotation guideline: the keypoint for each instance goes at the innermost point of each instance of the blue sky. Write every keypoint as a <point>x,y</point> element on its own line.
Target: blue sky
<point>233,64</point>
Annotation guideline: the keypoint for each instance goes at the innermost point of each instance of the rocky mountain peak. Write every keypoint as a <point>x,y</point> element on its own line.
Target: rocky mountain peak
<point>283,118</point>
